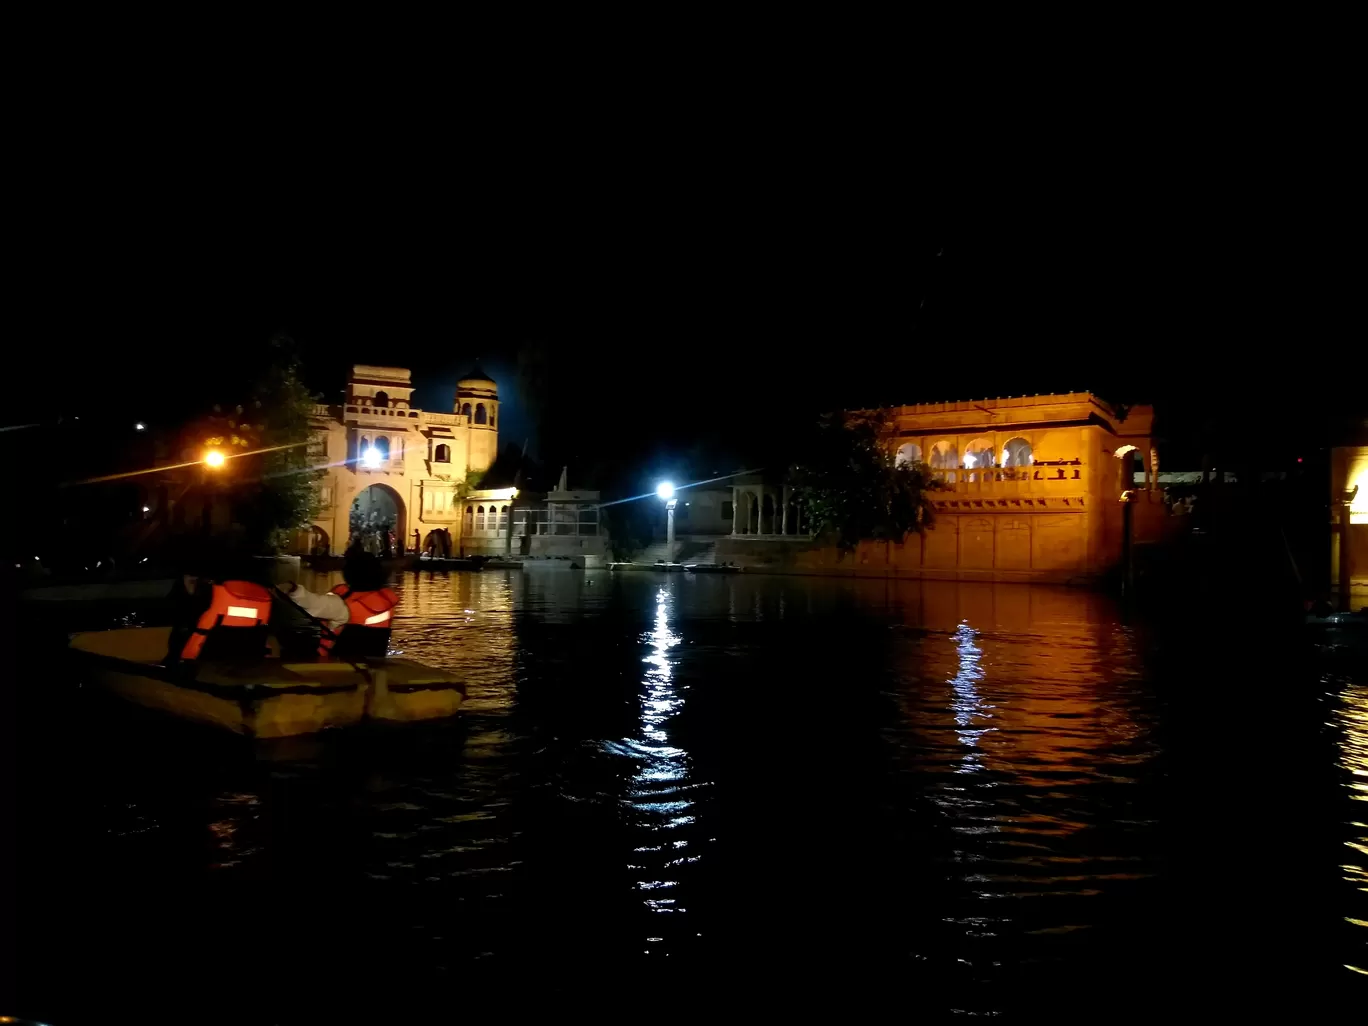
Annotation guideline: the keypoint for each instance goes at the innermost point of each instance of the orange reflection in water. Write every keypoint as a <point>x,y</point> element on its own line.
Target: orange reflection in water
<point>1351,720</point>
<point>1039,684</point>
<point>461,622</point>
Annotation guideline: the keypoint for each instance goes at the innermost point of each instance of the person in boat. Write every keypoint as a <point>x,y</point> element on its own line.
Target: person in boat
<point>220,612</point>
<point>357,613</point>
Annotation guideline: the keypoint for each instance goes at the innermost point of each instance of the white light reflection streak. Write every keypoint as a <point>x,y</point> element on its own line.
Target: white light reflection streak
<point>967,704</point>
<point>658,788</point>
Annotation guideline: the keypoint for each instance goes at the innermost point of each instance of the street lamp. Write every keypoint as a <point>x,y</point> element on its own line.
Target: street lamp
<point>371,457</point>
<point>666,492</point>
<point>213,459</point>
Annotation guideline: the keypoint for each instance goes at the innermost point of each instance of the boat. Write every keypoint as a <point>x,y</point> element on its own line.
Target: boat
<point>712,568</point>
<point>270,698</point>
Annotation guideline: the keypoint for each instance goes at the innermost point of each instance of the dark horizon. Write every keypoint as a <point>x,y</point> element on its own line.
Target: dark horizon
<point>722,317</point>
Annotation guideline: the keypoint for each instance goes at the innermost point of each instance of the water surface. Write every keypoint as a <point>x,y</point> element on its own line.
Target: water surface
<point>906,798</point>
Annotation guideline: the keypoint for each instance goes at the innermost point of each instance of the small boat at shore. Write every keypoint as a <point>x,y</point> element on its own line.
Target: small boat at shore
<point>269,698</point>
<point>712,568</point>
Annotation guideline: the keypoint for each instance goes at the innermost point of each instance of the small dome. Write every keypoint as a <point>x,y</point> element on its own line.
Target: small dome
<point>476,374</point>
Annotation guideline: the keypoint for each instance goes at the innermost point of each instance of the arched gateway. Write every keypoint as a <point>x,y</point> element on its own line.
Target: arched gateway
<point>377,520</point>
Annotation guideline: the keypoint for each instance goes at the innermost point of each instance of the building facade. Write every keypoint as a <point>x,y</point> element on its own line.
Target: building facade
<point>389,463</point>
<point>1349,524</point>
<point>1034,490</point>
<point>392,469</point>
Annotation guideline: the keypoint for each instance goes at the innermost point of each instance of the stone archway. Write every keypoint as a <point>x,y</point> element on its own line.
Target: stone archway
<point>978,458</point>
<point>378,520</point>
<point>909,454</point>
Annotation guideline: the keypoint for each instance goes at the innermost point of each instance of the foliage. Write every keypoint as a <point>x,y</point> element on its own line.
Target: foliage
<point>852,487</point>
<point>472,481</point>
<point>275,491</point>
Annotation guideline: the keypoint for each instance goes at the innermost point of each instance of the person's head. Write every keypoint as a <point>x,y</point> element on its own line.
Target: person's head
<point>363,572</point>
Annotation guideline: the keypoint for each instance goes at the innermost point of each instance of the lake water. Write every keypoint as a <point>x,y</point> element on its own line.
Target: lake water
<point>721,793</point>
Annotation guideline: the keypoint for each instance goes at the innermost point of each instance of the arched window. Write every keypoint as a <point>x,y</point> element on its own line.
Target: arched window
<point>978,455</point>
<point>479,518</point>
<point>365,444</point>
<point>442,454</point>
<point>944,456</point>
<point>380,399</point>
<point>503,517</point>
<point>491,416</point>
<point>909,455</point>
<point>1017,453</point>
<point>382,447</point>
<point>469,519</point>
<point>480,417</point>
<point>465,410</point>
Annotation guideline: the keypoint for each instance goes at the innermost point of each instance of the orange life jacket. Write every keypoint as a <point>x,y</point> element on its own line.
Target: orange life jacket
<point>366,610</point>
<point>233,605</point>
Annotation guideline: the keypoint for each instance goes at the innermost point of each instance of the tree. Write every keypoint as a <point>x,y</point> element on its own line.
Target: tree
<point>274,491</point>
<point>852,487</point>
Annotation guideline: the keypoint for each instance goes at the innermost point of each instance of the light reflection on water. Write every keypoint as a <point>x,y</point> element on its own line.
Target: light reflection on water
<point>1352,737</point>
<point>978,785</point>
<point>659,799</point>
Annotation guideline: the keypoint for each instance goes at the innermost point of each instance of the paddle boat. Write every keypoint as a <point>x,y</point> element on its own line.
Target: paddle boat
<point>266,698</point>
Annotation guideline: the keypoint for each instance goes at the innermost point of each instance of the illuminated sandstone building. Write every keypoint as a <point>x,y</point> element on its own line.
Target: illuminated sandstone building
<point>392,467</point>
<point>1349,523</point>
<point>1033,491</point>
<point>389,462</point>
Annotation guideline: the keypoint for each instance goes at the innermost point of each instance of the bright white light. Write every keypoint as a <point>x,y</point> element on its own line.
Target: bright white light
<point>139,426</point>
<point>665,490</point>
<point>371,457</point>
<point>147,509</point>
<point>968,459</point>
<point>213,458</point>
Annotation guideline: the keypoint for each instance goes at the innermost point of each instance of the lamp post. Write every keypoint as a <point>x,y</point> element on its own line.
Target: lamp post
<point>666,491</point>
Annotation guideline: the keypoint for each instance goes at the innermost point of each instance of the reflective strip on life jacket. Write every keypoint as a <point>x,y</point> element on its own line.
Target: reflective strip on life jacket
<point>371,609</point>
<point>232,604</point>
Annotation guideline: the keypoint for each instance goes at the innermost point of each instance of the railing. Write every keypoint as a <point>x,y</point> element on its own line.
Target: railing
<point>1015,402</point>
<point>393,465</point>
<point>442,418</point>
<point>1008,480</point>
<point>380,412</point>
<point>562,520</point>
<point>322,410</point>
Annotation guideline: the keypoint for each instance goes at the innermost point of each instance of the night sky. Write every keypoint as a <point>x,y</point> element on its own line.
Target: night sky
<point>653,313</point>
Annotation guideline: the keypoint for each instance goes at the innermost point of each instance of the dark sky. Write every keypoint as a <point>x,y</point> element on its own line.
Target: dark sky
<point>721,289</point>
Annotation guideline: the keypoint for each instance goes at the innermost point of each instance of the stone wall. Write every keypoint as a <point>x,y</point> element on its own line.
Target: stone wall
<point>1047,547</point>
